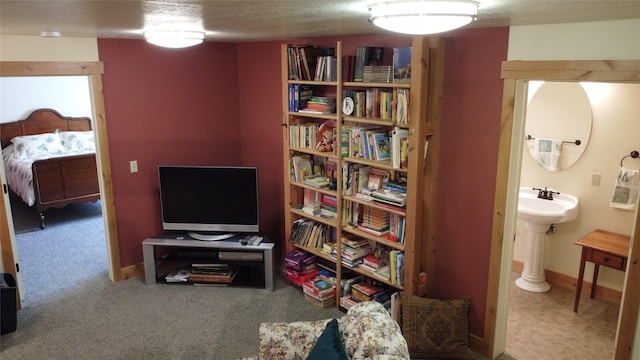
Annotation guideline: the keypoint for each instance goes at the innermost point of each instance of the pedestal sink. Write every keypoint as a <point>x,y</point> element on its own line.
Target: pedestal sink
<point>539,215</point>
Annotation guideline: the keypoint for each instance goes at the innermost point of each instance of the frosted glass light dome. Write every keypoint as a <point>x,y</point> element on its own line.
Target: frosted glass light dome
<point>174,39</point>
<point>422,17</point>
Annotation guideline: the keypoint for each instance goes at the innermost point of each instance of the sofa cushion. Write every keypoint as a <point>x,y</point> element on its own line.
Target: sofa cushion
<point>371,333</point>
<point>293,340</point>
<point>436,329</point>
<point>329,345</point>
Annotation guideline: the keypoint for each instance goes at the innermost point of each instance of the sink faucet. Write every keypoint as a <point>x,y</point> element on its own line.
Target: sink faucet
<point>545,193</point>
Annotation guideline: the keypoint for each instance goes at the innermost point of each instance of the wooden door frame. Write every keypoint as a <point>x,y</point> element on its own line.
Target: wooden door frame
<point>94,71</point>
<point>514,73</point>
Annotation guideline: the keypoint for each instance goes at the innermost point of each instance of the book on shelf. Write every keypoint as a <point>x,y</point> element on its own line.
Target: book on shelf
<point>402,65</point>
<point>302,167</point>
<point>374,181</point>
<point>210,278</point>
<point>354,242</point>
<point>402,106</point>
<point>364,291</point>
<point>398,136</point>
<point>381,146</point>
<point>392,196</point>
<point>316,181</point>
<point>347,302</point>
<point>383,272</point>
<point>366,55</point>
<point>298,96</point>
<point>372,261</point>
<point>372,231</point>
<point>319,288</point>
<point>378,73</point>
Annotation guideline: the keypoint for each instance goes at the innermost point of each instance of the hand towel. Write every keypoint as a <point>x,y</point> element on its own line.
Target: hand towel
<point>625,190</point>
<point>546,152</point>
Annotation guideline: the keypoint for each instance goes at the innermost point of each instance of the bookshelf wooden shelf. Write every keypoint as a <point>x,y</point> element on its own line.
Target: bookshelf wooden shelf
<point>418,175</point>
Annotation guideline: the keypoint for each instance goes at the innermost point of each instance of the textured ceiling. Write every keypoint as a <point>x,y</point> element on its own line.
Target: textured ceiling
<point>241,20</point>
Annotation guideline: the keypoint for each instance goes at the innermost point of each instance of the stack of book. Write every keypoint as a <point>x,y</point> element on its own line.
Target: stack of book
<point>212,273</point>
<point>378,73</point>
<point>374,220</point>
<point>299,267</point>
<point>391,197</point>
<point>320,105</point>
<point>317,181</point>
<point>368,290</point>
<point>328,206</point>
<point>319,291</point>
<point>354,251</point>
<point>364,291</point>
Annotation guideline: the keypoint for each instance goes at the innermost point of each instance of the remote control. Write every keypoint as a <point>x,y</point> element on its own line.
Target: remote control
<point>257,241</point>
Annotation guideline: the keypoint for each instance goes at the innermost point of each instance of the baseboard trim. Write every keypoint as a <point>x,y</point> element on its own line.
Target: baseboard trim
<point>571,283</point>
<point>133,271</point>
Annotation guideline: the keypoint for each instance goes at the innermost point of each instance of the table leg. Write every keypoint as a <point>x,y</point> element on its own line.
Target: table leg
<point>149,258</point>
<point>596,269</point>
<point>268,269</point>
<point>580,278</point>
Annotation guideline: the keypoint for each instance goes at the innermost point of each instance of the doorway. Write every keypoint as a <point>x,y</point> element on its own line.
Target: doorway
<point>94,73</point>
<point>538,317</point>
<point>515,76</point>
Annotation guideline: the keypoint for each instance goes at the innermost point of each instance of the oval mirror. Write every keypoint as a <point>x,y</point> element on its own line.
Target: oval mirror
<point>558,124</point>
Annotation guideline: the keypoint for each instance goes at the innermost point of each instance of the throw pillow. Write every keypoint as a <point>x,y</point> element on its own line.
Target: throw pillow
<point>436,329</point>
<point>329,345</point>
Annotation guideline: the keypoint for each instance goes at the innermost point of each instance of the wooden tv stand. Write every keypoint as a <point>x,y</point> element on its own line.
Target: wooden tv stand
<point>184,241</point>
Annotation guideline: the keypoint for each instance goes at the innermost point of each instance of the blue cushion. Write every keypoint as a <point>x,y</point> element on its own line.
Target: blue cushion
<point>329,345</point>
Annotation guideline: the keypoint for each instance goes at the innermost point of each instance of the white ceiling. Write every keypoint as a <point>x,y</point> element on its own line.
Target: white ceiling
<point>243,20</point>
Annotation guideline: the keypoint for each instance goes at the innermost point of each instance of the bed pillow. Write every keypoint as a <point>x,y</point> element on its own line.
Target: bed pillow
<point>78,140</point>
<point>436,329</point>
<point>30,146</point>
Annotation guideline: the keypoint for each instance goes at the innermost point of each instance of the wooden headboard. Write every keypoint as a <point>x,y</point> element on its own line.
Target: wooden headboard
<point>39,122</point>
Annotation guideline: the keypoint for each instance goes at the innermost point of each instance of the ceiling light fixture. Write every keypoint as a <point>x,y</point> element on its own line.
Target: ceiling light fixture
<point>50,34</point>
<point>422,17</point>
<point>174,39</point>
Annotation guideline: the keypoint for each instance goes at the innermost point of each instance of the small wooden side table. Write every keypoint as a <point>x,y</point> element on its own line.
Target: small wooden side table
<point>601,248</point>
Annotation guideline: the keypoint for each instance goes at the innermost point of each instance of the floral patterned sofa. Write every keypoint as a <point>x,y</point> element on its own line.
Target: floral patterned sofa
<point>367,332</point>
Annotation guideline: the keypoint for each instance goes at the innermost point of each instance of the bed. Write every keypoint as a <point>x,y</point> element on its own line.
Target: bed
<point>50,160</point>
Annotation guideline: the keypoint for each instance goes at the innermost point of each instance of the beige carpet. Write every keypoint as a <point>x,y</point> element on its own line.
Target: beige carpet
<point>543,325</point>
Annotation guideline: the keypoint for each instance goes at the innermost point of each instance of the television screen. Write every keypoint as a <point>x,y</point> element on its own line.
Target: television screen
<point>209,202</point>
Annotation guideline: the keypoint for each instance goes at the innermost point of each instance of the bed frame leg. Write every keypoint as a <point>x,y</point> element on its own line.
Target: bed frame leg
<point>41,220</point>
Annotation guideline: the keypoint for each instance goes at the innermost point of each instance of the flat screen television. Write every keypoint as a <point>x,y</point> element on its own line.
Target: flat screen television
<point>209,202</point>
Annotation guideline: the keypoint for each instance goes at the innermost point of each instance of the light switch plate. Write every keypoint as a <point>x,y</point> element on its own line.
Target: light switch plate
<point>133,166</point>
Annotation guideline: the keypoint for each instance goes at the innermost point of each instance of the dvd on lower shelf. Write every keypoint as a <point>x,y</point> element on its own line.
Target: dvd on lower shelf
<point>205,273</point>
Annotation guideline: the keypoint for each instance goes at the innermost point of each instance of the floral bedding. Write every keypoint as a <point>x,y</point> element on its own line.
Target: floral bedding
<point>18,169</point>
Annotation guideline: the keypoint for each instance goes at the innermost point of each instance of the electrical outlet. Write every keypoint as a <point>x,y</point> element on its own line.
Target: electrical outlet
<point>595,179</point>
<point>133,166</point>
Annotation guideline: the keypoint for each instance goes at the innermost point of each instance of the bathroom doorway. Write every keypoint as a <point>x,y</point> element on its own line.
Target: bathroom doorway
<point>516,75</point>
<point>548,317</point>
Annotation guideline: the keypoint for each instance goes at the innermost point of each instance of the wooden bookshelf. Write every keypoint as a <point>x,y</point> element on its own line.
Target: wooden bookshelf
<point>421,172</point>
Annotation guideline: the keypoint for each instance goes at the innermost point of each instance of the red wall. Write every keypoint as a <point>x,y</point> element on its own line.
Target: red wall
<point>193,104</point>
<point>472,107</point>
<point>164,107</point>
